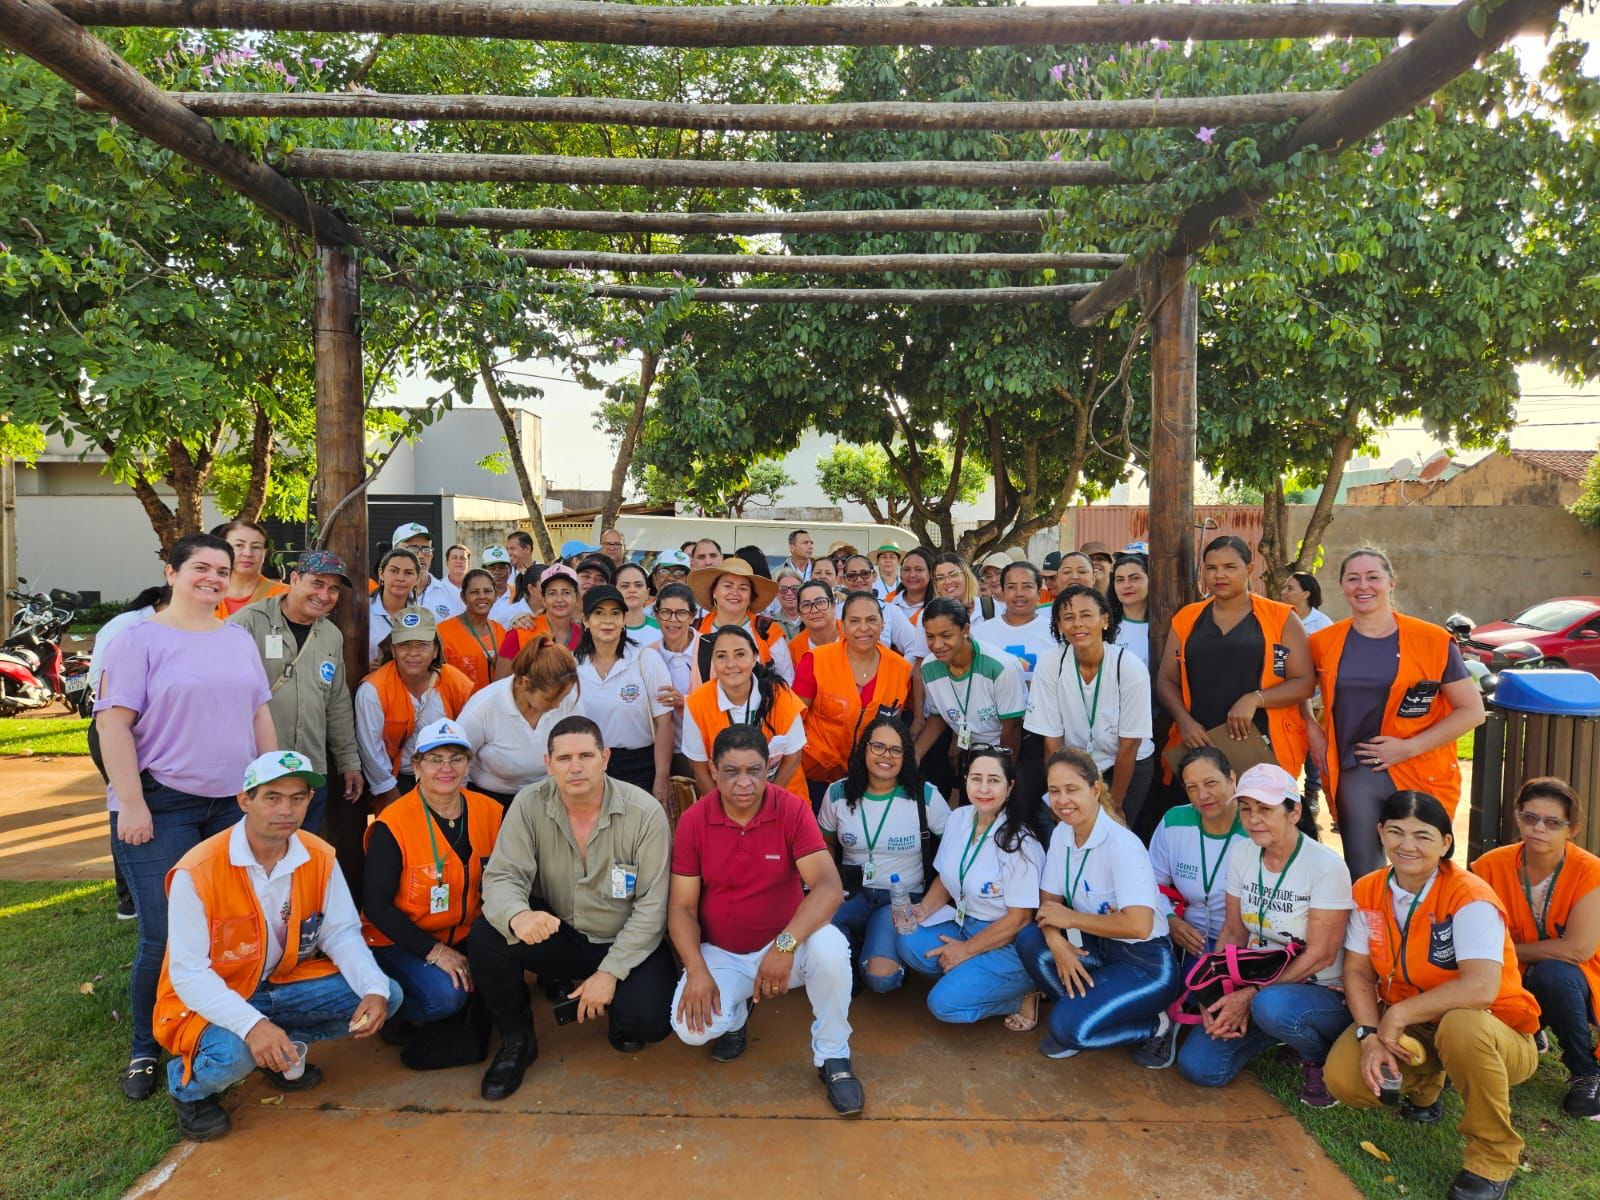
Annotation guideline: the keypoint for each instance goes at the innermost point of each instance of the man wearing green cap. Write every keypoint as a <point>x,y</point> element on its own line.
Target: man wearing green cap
<point>264,952</point>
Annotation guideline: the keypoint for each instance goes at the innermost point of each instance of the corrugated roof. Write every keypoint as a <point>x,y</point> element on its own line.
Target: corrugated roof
<point>1569,464</point>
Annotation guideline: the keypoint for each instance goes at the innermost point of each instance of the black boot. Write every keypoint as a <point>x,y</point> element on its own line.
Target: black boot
<point>201,1120</point>
<point>504,1076</point>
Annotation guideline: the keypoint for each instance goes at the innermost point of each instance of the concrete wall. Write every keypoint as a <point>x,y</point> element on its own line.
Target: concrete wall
<point>445,458</point>
<point>1501,479</point>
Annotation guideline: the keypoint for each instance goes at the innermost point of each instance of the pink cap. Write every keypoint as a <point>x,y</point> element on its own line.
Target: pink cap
<point>1269,784</point>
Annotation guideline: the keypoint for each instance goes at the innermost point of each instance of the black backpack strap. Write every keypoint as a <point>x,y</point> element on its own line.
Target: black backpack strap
<point>926,842</point>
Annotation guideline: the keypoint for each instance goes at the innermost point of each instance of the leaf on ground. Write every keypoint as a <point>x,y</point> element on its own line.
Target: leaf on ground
<point>115,1015</point>
<point>1375,1152</point>
<point>86,989</point>
<point>272,1099</point>
<point>1390,1179</point>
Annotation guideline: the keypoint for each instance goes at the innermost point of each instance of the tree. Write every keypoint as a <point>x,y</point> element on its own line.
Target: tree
<point>863,475</point>
<point>1587,509</point>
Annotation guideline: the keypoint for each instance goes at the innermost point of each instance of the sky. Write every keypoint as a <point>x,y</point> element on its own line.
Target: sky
<point>1553,414</point>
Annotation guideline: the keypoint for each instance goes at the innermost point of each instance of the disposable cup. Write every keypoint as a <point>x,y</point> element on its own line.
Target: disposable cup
<point>298,1067</point>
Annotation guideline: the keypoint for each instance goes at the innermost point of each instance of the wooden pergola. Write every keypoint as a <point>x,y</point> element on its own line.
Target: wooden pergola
<point>1442,45</point>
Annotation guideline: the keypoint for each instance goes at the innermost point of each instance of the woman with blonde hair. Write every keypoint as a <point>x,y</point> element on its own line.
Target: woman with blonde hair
<point>509,722</point>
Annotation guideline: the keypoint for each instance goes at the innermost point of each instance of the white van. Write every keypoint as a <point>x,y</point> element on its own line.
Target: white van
<point>653,534</point>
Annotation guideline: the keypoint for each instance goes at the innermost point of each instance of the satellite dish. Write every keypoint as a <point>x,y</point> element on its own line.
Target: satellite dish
<point>1438,463</point>
<point>1402,469</point>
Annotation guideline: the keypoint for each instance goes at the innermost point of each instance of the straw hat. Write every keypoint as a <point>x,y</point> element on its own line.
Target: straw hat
<point>704,580</point>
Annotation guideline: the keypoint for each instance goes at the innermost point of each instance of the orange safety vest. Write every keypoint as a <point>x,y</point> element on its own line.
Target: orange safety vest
<point>409,822</point>
<point>1286,728</point>
<point>1424,653</point>
<point>465,652</point>
<point>239,934</point>
<point>837,716</point>
<point>264,587</point>
<point>1580,876</point>
<point>764,643</point>
<point>399,711</point>
<point>800,644</point>
<point>1413,970</point>
<point>541,626</point>
<point>711,719</point>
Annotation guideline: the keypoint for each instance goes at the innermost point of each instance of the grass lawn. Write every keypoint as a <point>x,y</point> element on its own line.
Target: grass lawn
<point>47,735</point>
<point>1561,1161</point>
<point>67,1130</point>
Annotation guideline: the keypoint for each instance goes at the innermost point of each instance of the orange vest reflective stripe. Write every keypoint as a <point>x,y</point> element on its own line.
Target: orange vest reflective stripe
<point>1580,876</point>
<point>399,711</point>
<point>836,716</point>
<point>264,587</point>
<point>711,719</point>
<point>465,652</point>
<point>1286,728</point>
<point>1424,654</point>
<point>408,820</point>
<point>1401,977</point>
<point>239,934</point>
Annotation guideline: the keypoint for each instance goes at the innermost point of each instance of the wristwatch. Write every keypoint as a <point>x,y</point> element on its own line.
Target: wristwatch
<point>1363,1032</point>
<point>785,943</point>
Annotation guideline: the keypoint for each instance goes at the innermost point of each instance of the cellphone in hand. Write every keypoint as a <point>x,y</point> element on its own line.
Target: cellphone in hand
<point>566,1010</point>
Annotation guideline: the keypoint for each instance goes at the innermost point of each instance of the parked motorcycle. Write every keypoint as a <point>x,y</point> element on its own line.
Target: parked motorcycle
<point>34,671</point>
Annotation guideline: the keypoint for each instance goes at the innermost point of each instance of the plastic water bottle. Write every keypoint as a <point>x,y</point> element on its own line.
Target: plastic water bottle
<point>900,906</point>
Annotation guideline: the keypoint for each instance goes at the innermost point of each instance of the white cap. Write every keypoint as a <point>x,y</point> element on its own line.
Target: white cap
<point>1268,783</point>
<point>441,733</point>
<point>409,530</point>
<point>495,556</point>
<point>672,558</point>
<point>280,764</point>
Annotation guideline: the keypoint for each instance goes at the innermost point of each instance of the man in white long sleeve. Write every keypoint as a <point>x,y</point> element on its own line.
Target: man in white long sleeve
<point>264,950</point>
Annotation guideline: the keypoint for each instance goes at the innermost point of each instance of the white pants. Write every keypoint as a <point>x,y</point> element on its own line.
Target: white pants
<point>821,963</point>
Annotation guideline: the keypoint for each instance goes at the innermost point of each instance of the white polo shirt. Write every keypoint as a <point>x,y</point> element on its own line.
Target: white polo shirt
<point>890,826</point>
<point>624,703</point>
<point>1029,644</point>
<point>680,669</point>
<point>442,598</point>
<point>1111,870</point>
<point>1118,700</point>
<point>507,752</point>
<point>990,692</point>
<point>1185,857</point>
<point>996,879</point>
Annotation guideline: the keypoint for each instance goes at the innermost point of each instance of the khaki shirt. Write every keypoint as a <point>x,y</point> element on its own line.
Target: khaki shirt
<point>536,856</point>
<point>311,706</point>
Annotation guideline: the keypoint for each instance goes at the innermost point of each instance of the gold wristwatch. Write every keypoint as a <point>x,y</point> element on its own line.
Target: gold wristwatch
<point>785,943</point>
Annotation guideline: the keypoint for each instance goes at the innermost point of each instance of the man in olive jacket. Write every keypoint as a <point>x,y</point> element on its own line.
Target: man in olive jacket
<point>303,652</point>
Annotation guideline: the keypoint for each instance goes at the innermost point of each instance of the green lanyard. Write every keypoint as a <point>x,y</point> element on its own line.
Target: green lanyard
<point>485,643</point>
<point>970,854</point>
<point>972,670</point>
<point>1527,891</point>
<point>1208,878</point>
<point>1404,930</point>
<point>1263,900</point>
<point>873,835</point>
<point>438,860</point>
<point>1092,708</point>
<point>1076,879</point>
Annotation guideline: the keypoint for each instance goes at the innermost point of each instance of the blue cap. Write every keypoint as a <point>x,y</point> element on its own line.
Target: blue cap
<point>441,733</point>
<point>576,547</point>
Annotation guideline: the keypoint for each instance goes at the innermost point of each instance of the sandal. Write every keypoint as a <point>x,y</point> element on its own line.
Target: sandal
<point>1026,1018</point>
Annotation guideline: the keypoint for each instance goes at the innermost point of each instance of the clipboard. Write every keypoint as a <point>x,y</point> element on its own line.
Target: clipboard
<point>1241,753</point>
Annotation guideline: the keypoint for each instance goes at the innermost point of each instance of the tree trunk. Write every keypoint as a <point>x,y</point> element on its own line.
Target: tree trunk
<point>650,359</point>
<point>530,498</point>
<point>189,474</point>
<point>1275,513</point>
<point>261,447</point>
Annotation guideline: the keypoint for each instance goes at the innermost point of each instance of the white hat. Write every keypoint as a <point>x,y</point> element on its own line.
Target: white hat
<point>280,764</point>
<point>441,733</point>
<point>409,530</point>
<point>495,556</point>
<point>1000,560</point>
<point>1268,783</point>
<point>671,558</point>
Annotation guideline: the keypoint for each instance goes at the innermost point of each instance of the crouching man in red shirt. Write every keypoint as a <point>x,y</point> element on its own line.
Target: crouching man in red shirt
<point>745,927</point>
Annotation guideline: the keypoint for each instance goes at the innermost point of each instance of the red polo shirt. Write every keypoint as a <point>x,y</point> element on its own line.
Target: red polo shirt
<point>749,884</point>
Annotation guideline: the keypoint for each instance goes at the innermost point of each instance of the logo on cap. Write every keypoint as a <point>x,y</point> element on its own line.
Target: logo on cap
<point>290,760</point>
<point>411,620</point>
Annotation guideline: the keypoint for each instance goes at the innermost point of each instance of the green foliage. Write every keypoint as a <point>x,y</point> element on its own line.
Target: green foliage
<point>863,475</point>
<point>718,489</point>
<point>1587,509</point>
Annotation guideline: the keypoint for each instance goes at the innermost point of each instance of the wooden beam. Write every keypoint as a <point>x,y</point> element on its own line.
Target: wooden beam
<point>1173,421</point>
<point>1444,50</point>
<point>1172,113</point>
<point>771,25</point>
<point>36,29</point>
<point>809,264</point>
<point>1053,294</point>
<point>877,220</point>
<point>372,165</point>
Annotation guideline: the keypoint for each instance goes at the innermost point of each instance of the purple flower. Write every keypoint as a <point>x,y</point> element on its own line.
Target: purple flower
<point>1056,157</point>
<point>4,249</point>
<point>616,344</point>
<point>1377,150</point>
<point>205,72</point>
<point>1344,68</point>
<point>316,63</point>
<point>1158,94</point>
<point>1057,71</point>
<point>1112,58</point>
<point>1205,133</point>
<point>290,80</point>
<point>1161,44</point>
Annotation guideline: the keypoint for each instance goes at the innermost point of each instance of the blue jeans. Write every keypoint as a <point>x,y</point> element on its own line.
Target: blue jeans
<point>990,985</point>
<point>1306,1017</point>
<point>429,993</point>
<point>179,823</point>
<point>1133,984</point>
<point>868,921</point>
<point>314,1010</point>
<point>1568,1007</point>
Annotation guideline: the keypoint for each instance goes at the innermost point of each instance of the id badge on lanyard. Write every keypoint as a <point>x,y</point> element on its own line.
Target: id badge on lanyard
<point>439,899</point>
<point>963,735</point>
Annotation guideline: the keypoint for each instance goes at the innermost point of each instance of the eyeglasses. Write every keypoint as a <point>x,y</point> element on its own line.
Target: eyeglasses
<point>983,748</point>
<point>611,545</point>
<point>858,574</point>
<point>885,750</point>
<point>815,605</point>
<point>673,614</point>
<point>784,590</point>
<point>445,760</point>
<point>1533,820</point>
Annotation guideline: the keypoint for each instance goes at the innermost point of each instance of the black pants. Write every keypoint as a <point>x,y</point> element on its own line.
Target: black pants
<point>636,766</point>
<point>640,1011</point>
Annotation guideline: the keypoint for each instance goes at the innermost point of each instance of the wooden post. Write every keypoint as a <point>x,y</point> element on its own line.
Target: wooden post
<point>1172,446</point>
<point>8,541</point>
<point>341,440</point>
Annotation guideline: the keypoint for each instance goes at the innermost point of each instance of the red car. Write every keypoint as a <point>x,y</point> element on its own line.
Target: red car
<point>1565,628</point>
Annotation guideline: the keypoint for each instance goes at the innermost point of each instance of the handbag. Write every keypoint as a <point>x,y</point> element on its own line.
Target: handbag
<point>1227,969</point>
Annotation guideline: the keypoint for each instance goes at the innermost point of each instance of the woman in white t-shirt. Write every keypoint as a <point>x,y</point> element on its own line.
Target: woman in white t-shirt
<point>871,819</point>
<point>622,684</point>
<point>1099,946</point>
<point>1284,885</point>
<point>985,890</point>
<point>1130,602</point>
<point>1191,849</point>
<point>509,722</point>
<point>1095,696</point>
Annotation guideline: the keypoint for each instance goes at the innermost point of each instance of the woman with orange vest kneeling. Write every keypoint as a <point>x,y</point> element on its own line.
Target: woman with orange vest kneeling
<point>1395,697</point>
<point>412,687</point>
<point>1431,978</point>
<point>1551,890</point>
<point>423,883</point>
<point>264,952</point>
